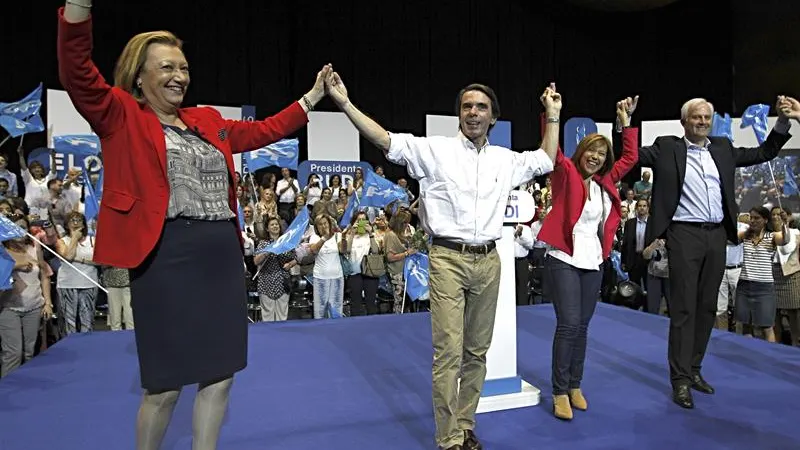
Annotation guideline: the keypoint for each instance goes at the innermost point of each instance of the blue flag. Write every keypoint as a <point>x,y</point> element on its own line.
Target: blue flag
<point>379,192</point>
<point>721,126</point>
<point>241,217</point>
<point>350,210</point>
<point>23,116</point>
<point>756,116</point>
<point>616,262</point>
<point>7,264</point>
<point>415,272</point>
<point>790,181</point>
<point>281,154</point>
<point>80,145</point>
<point>9,230</point>
<point>290,239</point>
<point>91,206</point>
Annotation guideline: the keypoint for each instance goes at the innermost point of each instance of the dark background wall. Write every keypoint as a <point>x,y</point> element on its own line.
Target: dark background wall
<point>401,60</point>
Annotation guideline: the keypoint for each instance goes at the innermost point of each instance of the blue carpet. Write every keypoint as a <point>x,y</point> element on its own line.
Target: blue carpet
<point>365,383</point>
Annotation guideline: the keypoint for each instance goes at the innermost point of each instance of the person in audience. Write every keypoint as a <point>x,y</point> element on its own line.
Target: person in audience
<point>325,205</point>
<point>730,277</point>
<point>755,293</point>
<point>10,177</point>
<point>643,187</point>
<point>579,231</point>
<point>36,178</point>
<point>77,296</point>
<point>335,185</point>
<point>464,264</point>
<point>360,241</point>
<point>269,181</point>
<point>693,208</point>
<point>7,207</point>
<point>327,245</point>
<point>299,203</point>
<point>786,274</point>
<point>273,274</point>
<point>267,206</point>
<point>3,188</point>
<point>357,183</point>
<point>59,205</point>
<point>176,231</point>
<point>630,204</point>
<point>313,190</point>
<point>341,203</point>
<point>657,275</point>
<point>26,303</point>
<point>287,190</point>
<point>118,283</point>
<point>397,248</point>
<point>633,245</point>
<point>523,244</point>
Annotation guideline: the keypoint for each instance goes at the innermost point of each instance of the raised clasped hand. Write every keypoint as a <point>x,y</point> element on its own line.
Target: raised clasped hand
<point>336,88</point>
<point>788,107</point>
<point>551,100</point>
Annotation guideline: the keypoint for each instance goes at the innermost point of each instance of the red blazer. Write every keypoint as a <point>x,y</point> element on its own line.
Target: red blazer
<point>569,196</point>
<point>136,188</point>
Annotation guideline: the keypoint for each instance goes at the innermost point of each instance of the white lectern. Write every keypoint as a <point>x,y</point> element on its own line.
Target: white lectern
<point>504,388</point>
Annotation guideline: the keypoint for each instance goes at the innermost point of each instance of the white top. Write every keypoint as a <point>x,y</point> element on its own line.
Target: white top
<point>358,250</point>
<point>37,196</point>
<point>313,194</point>
<point>68,278</point>
<point>327,265</point>
<point>524,243</point>
<point>26,294</point>
<point>587,251</point>
<point>464,190</point>
<point>289,195</point>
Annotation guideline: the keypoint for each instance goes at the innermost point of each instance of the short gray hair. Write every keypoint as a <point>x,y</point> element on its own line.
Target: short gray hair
<point>691,104</point>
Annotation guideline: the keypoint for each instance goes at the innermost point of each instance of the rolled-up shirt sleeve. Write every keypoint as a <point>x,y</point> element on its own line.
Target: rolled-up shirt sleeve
<point>529,164</point>
<point>410,151</point>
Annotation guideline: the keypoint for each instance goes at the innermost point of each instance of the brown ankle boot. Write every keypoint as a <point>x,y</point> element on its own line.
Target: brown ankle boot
<point>577,400</point>
<point>561,407</point>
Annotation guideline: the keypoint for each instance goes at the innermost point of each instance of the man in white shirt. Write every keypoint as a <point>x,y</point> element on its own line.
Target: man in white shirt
<point>287,189</point>
<point>464,186</point>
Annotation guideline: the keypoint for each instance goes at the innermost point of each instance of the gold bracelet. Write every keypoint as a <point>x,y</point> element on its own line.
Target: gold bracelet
<point>72,2</point>
<point>308,103</point>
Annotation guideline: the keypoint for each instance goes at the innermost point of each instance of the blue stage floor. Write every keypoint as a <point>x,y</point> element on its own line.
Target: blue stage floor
<point>364,383</point>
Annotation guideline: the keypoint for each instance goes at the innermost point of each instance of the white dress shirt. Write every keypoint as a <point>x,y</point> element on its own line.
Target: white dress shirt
<point>464,190</point>
<point>523,243</point>
<point>587,251</point>
<point>289,195</point>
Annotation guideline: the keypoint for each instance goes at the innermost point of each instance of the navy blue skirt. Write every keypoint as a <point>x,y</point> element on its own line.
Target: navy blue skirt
<point>190,306</point>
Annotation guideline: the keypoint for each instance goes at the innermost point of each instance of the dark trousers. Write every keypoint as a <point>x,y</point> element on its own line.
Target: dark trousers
<point>696,266</point>
<point>638,274</point>
<point>574,293</point>
<point>656,288</point>
<point>522,274</point>
<point>363,294</point>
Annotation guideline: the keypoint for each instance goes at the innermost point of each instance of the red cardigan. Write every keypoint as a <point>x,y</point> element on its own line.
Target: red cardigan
<point>136,188</point>
<point>569,196</point>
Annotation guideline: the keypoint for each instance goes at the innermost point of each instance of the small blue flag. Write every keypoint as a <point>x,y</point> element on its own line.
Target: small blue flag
<point>616,262</point>
<point>290,239</point>
<point>415,272</point>
<point>9,230</point>
<point>790,180</point>
<point>721,126</point>
<point>80,145</point>
<point>23,117</point>
<point>7,264</point>
<point>379,192</point>
<point>283,153</point>
<point>350,210</point>
<point>91,206</point>
<point>756,116</point>
<point>241,217</point>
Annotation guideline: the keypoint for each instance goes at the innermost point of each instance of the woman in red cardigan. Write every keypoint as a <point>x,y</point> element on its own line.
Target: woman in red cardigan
<point>169,214</point>
<point>580,231</point>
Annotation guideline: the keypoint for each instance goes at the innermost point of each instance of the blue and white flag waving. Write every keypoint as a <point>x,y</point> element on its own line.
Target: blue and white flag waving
<point>756,116</point>
<point>350,210</point>
<point>7,264</point>
<point>9,230</point>
<point>80,145</point>
<point>379,192</point>
<point>721,126</point>
<point>289,240</point>
<point>790,180</point>
<point>91,205</point>
<point>281,154</point>
<point>415,272</point>
<point>23,116</point>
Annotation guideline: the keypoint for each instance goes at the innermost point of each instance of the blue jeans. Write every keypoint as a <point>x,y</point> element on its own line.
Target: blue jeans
<point>574,293</point>
<point>328,298</point>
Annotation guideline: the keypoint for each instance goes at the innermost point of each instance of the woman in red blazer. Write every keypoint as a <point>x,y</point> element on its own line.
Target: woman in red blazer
<point>580,231</point>
<point>168,213</point>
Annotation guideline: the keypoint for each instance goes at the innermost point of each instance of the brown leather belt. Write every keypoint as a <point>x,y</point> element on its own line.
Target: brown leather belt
<point>482,249</point>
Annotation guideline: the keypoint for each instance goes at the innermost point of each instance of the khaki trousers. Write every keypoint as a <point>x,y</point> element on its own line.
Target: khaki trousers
<point>463,294</point>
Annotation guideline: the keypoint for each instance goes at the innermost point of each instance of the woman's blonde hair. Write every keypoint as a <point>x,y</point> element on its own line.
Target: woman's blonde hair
<point>133,56</point>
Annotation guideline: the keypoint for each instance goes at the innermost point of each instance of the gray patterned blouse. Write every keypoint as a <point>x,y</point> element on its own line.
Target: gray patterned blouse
<point>198,177</point>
